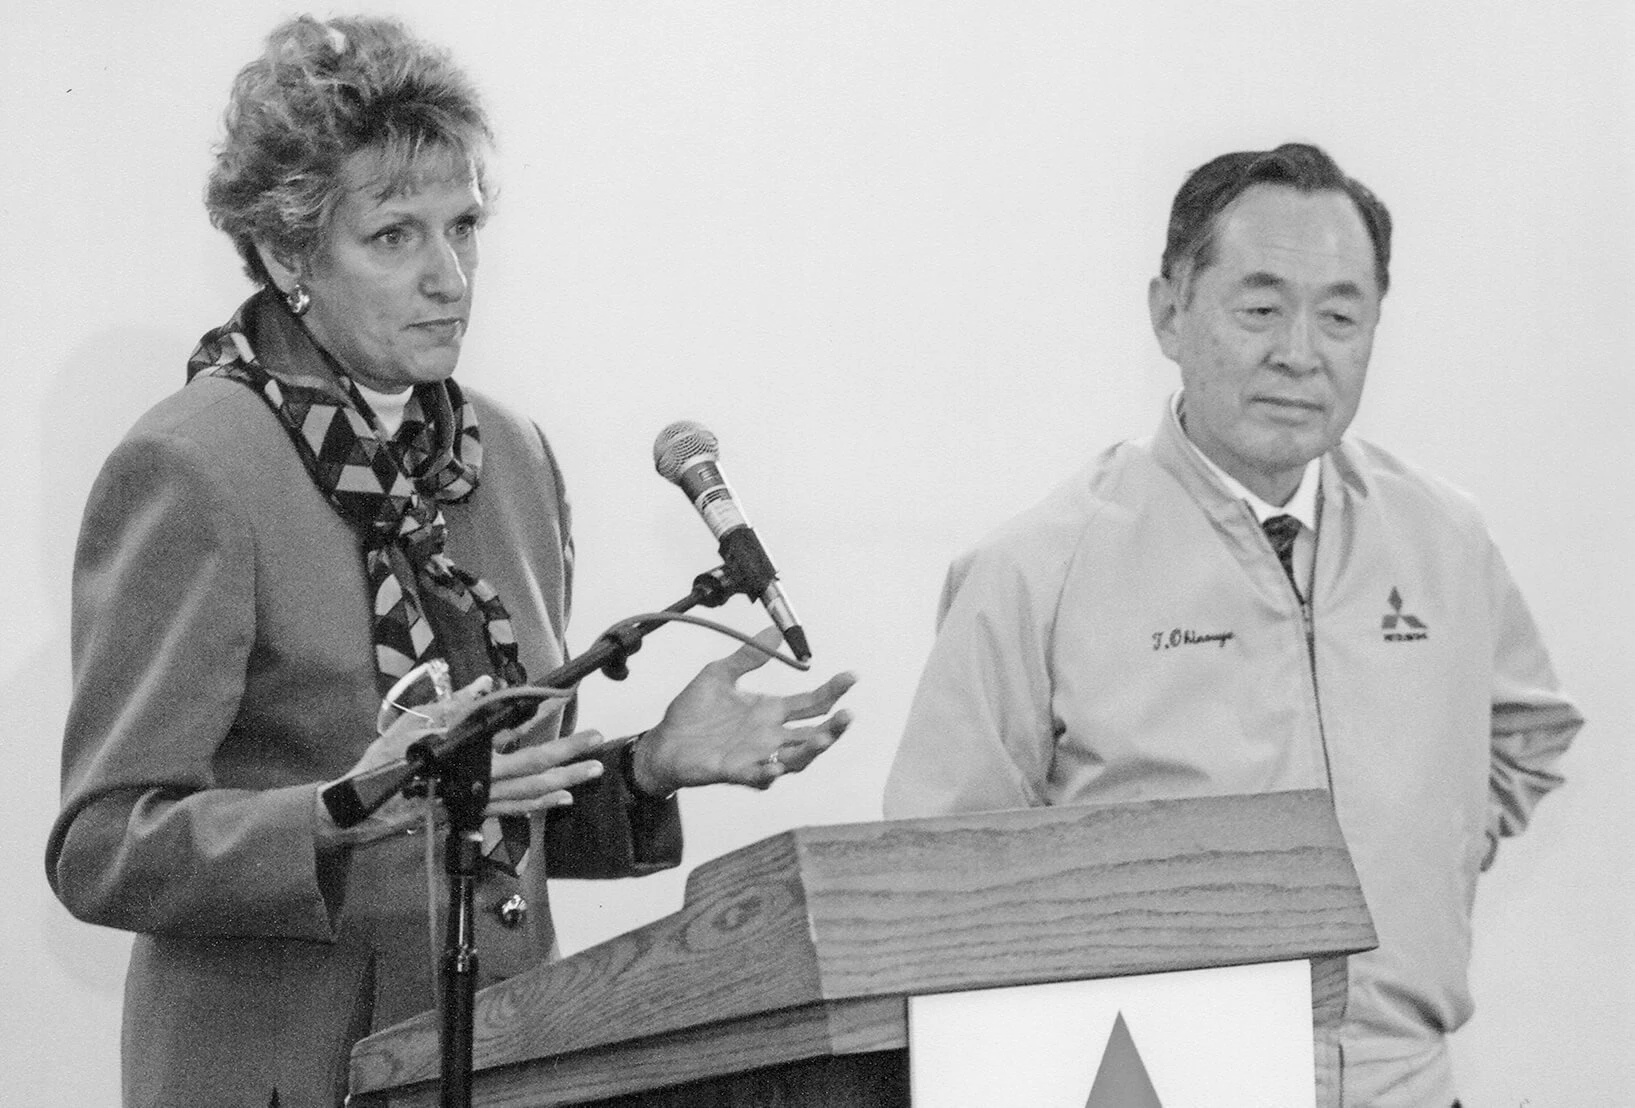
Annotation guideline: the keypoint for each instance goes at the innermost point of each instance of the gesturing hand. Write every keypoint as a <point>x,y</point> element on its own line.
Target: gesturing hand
<point>714,732</point>
<point>526,778</point>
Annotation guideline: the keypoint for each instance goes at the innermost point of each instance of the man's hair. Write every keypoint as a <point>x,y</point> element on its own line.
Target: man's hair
<point>1212,187</point>
<point>320,93</point>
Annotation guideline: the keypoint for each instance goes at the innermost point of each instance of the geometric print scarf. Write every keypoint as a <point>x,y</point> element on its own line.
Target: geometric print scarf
<point>388,487</point>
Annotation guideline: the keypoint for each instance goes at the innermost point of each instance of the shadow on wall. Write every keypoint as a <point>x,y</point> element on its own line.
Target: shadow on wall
<point>97,392</point>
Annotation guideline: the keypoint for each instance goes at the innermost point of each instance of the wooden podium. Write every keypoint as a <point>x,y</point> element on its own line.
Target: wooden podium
<point>784,978</point>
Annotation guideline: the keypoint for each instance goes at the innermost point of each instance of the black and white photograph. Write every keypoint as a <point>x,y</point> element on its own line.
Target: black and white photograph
<point>655,553</point>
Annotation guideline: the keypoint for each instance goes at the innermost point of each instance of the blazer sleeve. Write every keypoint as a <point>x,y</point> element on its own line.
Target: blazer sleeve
<point>1533,721</point>
<point>612,832</point>
<point>148,838</point>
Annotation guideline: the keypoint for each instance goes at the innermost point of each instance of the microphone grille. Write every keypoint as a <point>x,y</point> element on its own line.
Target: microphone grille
<point>679,444</point>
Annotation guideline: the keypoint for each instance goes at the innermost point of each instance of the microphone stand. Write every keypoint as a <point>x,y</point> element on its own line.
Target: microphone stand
<point>460,764</point>
<point>463,777</point>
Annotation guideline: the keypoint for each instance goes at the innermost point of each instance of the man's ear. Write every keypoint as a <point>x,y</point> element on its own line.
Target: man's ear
<point>1163,306</point>
<point>286,271</point>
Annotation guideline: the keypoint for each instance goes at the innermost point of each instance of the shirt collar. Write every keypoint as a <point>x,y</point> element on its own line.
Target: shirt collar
<point>1302,505</point>
<point>388,407</point>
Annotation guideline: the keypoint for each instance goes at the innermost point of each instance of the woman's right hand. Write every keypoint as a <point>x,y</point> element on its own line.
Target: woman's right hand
<point>526,779</point>
<point>399,814</point>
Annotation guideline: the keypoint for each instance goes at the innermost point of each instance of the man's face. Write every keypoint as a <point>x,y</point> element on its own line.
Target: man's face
<point>1273,337</point>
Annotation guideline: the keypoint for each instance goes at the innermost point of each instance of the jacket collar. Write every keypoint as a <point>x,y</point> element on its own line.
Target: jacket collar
<point>1341,475</point>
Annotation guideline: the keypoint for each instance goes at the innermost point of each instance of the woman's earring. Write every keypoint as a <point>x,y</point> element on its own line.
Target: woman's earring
<point>298,298</point>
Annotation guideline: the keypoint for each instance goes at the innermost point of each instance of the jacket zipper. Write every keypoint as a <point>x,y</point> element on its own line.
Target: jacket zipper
<point>1308,616</point>
<point>1308,625</point>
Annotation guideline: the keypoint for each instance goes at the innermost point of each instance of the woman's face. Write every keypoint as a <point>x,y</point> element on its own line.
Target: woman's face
<point>391,288</point>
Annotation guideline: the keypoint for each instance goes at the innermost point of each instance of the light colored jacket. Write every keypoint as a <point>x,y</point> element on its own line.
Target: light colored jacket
<point>223,664</point>
<point>1134,636</point>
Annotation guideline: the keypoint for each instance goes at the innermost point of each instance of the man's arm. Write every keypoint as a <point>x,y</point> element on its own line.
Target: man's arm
<point>980,734</point>
<point>1533,721</point>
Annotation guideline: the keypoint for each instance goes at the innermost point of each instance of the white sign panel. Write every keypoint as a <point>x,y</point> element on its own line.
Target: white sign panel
<point>1234,1037</point>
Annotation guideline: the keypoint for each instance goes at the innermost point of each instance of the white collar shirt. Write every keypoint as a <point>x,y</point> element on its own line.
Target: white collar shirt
<point>1303,505</point>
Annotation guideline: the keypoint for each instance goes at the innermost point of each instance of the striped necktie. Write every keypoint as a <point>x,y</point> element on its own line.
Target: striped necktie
<point>1282,531</point>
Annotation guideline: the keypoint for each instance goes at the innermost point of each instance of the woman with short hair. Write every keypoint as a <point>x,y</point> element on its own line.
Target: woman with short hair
<point>317,516</point>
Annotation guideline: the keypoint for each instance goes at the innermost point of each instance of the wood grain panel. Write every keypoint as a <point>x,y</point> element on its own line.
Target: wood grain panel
<point>791,926</point>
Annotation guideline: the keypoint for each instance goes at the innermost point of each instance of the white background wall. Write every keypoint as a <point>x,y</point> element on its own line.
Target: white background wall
<point>894,254</point>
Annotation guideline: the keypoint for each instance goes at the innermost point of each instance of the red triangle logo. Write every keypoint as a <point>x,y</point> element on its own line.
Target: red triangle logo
<point>1122,1080</point>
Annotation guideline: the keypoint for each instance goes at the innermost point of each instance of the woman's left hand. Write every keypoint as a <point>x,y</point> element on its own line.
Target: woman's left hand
<point>713,732</point>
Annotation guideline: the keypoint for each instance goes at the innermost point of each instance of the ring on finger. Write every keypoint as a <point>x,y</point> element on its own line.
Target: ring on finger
<point>773,759</point>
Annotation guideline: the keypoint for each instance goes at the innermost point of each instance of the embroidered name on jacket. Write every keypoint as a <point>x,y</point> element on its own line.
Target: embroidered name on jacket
<point>1398,625</point>
<point>1165,640</point>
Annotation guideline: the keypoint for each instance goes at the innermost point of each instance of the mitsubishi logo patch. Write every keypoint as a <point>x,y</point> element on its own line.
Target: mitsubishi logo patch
<point>1413,628</point>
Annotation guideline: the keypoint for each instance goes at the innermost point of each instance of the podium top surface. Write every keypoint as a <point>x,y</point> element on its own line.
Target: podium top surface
<point>907,907</point>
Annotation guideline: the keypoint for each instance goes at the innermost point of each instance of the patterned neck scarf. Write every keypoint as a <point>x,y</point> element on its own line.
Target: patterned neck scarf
<point>390,488</point>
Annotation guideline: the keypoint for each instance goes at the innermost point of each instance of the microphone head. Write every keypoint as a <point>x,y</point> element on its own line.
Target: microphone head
<point>679,444</point>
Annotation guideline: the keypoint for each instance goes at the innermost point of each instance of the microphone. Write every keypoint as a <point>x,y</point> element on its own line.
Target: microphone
<point>685,454</point>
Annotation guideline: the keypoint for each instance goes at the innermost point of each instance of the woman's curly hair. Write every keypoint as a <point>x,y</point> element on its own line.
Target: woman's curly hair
<point>320,93</point>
